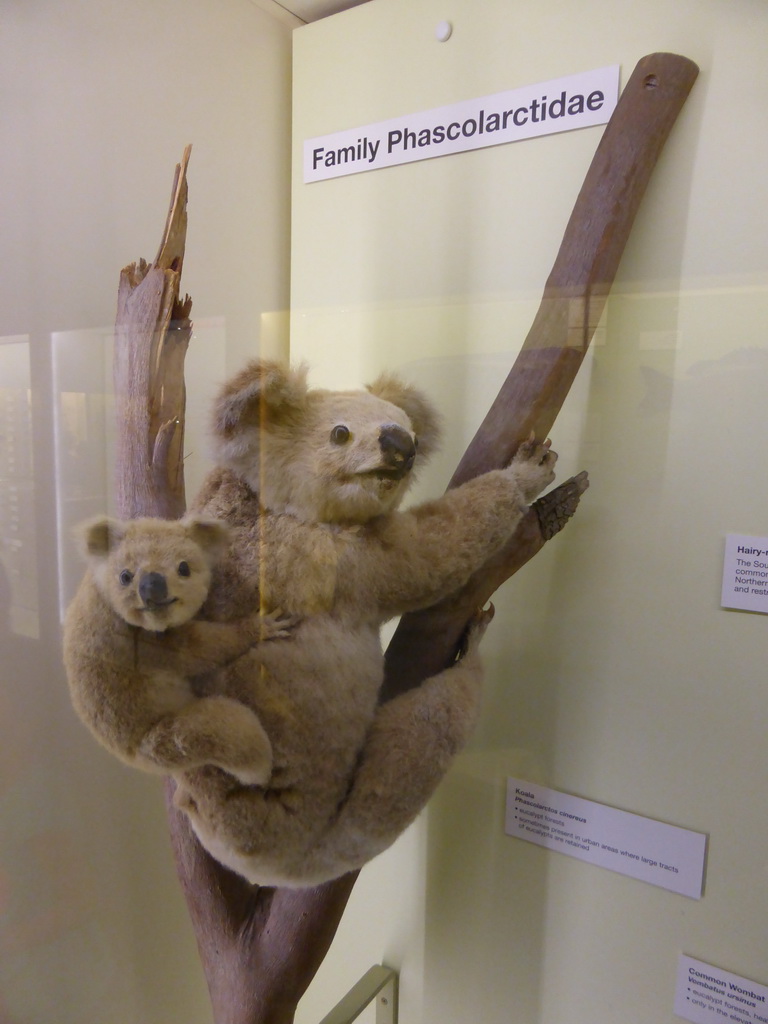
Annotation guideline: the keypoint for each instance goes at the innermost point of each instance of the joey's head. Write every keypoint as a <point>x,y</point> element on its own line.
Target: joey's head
<point>155,573</point>
<point>324,456</point>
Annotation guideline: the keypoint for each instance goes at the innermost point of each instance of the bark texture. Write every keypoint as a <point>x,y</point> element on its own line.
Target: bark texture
<point>152,332</point>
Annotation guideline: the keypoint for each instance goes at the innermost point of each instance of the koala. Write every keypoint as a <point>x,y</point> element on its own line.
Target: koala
<point>133,649</point>
<point>310,482</point>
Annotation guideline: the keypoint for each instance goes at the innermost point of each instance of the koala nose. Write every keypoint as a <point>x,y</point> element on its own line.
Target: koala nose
<point>153,589</point>
<point>398,448</point>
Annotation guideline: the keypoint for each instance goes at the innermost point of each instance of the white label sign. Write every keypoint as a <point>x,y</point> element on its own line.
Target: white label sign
<point>559,105</point>
<point>649,850</point>
<point>706,995</point>
<point>745,573</point>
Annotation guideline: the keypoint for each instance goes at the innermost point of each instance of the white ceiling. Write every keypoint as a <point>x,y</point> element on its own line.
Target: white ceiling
<point>314,10</point>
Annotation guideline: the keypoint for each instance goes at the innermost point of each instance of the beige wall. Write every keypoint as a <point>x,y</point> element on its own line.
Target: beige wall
<point>612,672</point>
<point>98,101</point>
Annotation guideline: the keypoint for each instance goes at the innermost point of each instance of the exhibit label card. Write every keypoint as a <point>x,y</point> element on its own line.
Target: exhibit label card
<point>705,994</point>
<point>649,850</point>
<point>559,105</point>
<point>745,573</point>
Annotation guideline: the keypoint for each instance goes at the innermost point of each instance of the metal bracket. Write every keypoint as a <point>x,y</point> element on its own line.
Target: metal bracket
<point>379,983</point>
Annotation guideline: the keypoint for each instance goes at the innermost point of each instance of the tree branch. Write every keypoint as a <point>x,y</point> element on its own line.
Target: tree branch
<point>152,333</point>
<point>541,377</point>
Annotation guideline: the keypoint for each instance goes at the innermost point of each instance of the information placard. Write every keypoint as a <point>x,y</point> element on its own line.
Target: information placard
<point>559,105</point>
<point>643,848</point>
<point>745,573</point>
<point>706,995</point>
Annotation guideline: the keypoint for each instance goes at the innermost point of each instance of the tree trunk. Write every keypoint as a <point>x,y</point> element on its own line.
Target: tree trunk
<point>261,947</point>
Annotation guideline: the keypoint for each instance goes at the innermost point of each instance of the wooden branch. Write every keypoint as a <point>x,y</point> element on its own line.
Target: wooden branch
<point>584,270</point>
<point>152,333</point>
<point>570,309</point>
<point>260,947</point>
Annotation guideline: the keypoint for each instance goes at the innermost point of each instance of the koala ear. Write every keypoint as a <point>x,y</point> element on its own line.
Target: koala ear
<point>97,537</point>
<point>420,411</point>
<point>211,534</point>
<point>262,391</point>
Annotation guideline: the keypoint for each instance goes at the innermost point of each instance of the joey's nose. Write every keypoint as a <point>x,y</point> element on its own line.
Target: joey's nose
<point>397,447</point>
<point>153,589</point>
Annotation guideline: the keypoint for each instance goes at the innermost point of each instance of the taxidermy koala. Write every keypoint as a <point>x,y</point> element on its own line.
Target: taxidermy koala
<point>310,481</point>
<point>132,649</point>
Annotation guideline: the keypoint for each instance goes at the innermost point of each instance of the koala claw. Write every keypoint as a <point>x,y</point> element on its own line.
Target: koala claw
<point>532,450</point>
<point>534,464</point>
<point>475,631</point>
<point>277,625</point>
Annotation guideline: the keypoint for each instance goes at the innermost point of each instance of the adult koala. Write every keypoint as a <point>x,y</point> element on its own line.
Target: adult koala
<point>309,481</point>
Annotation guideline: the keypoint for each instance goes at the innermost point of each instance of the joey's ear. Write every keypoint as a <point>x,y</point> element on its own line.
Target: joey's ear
<point>97,537</point>
<point>425,418</point>
<point>262,391</point>
<point>211,534</point>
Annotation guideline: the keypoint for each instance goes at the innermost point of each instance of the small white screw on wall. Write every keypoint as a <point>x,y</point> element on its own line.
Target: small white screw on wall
<point>443,31</point>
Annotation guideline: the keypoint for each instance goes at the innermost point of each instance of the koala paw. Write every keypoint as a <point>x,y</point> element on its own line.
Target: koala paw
<point>473,634</point>
<point>534,466</point>
<point>276,625</point>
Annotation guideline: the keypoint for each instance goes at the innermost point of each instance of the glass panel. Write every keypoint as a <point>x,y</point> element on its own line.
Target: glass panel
<point>18,562</point>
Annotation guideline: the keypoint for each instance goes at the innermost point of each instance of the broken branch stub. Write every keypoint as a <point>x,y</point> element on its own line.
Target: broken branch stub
<point>152,332</point>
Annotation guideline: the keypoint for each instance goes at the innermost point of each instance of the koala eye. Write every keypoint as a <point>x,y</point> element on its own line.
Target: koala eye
<point>340,434</point>
<point>125,577</point>
<point>184,569</point>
